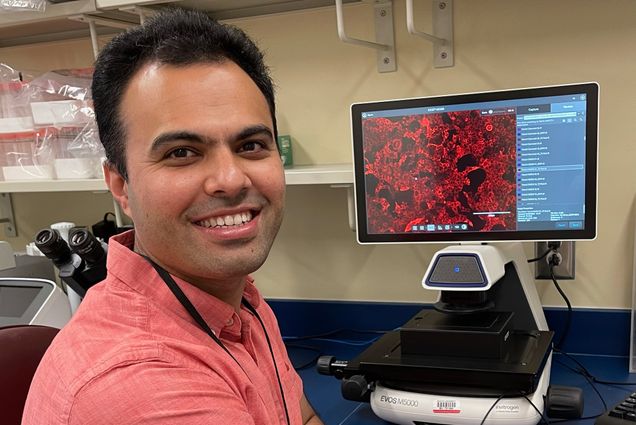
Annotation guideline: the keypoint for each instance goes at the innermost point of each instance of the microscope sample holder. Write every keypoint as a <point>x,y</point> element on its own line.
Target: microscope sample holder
<point>483,335</point>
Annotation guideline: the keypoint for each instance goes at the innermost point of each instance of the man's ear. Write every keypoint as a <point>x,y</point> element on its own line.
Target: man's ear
<point>118,186</point>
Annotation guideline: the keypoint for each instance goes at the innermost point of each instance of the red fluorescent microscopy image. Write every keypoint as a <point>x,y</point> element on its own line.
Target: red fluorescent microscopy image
<point>444,169</point>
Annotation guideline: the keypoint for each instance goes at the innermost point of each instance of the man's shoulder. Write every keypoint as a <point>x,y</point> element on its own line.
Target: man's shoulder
<point>97,339</point>
<point>83,375</point>
<point>112,330</point>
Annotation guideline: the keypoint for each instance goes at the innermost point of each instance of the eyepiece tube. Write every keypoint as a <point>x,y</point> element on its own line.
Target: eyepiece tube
<point>53,246</point>
<point>84,244</point>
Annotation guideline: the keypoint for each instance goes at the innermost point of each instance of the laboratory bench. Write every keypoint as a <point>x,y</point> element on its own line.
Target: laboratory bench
<point>598,339</point>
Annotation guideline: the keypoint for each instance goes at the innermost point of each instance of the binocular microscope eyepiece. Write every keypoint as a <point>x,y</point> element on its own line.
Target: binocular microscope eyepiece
<point>81,263</point>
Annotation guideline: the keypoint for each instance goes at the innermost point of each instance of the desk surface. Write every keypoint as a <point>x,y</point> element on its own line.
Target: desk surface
<point>324,391</point>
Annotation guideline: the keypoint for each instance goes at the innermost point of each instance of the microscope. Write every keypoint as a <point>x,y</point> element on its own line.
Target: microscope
<point>483,353</point>
<point>484,171</point>
<point>81,263</point>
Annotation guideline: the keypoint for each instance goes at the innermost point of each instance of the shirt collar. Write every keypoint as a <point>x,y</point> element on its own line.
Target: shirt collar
<point>136,272</point>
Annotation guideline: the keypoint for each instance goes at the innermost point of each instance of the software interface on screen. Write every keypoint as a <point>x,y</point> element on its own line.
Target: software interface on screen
<point>513,165</point>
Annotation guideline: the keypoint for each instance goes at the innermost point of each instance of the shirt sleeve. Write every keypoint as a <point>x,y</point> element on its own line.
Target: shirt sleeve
<point>160,394</point>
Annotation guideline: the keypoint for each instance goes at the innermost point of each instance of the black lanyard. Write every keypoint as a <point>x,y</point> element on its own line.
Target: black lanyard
<point>185,302</point>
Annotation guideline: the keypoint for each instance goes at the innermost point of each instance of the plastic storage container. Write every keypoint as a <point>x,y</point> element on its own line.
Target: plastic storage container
<point>76,146</point>
<point>25,156</point>
<point>71,161</point>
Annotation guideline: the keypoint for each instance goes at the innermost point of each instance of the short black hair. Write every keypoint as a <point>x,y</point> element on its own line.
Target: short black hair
<point>173,37</point>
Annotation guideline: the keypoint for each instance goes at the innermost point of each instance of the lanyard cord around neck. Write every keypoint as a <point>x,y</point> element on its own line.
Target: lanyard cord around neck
<point>185,302</point>
<point>251,308</point>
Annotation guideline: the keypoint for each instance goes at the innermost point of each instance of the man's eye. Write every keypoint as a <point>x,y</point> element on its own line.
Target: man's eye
<point>180,153</point>
<point>252,146</point>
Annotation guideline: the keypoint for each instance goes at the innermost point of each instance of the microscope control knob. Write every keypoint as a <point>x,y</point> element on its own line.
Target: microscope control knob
<point>355,388</point>
<point>564,402</point>
<point>323,365</point>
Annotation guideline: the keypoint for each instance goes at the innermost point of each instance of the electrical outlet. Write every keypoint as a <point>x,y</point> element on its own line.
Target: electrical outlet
<point>565,270</point>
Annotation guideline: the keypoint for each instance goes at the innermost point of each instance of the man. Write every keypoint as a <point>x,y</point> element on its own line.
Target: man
<point>178,333</point>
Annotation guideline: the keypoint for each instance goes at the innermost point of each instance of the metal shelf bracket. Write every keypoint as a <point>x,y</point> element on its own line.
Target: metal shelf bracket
<point>6,215</point>
<point>442,37</point>
<point>93,21</point>
<point>141,11</point>
<point>351,206</point>
<point>384,37</point>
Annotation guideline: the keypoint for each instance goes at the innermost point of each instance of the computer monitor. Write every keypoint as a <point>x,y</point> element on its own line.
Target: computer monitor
<point>513,165</point>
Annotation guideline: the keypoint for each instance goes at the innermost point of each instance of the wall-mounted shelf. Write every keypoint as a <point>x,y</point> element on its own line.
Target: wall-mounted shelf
<point>56,23</point>
<point>299,175</point>
<point>79,185</point>
<point>320,174</point>
<point>53,12</point>
<point>225,9</point>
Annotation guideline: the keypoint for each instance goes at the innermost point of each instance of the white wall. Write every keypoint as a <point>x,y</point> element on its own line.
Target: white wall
<point>498,44</point>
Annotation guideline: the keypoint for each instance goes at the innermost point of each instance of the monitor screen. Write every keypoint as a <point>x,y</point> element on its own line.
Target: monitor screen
<point>494,166</point>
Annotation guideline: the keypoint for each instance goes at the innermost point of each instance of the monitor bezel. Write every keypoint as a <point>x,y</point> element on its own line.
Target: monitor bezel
<point>591,90</point>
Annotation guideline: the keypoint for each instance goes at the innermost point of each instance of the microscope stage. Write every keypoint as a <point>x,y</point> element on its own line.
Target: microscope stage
<point>518,371</point>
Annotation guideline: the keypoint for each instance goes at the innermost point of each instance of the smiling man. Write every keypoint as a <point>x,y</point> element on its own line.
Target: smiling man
<point>178,333</point>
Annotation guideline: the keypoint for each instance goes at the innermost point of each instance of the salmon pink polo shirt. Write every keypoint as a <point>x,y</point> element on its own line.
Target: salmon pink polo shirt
<point>133,355</point>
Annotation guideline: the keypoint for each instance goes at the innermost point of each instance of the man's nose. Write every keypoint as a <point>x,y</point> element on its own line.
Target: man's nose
<point>226,175</point>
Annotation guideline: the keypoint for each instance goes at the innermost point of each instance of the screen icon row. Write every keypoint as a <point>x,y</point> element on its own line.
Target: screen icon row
<point>439,227</point>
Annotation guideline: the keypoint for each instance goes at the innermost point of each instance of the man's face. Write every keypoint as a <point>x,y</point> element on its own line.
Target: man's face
<point>205,185</point>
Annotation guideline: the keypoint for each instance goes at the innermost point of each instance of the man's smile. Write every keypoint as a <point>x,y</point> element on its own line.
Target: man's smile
<point>237,219</point>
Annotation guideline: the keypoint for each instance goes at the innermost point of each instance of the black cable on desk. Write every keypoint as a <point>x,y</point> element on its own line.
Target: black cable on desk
<point>592,380</point>
<point>582,370</point>
<point>290,342</point>
<point>318,352</point>
<point>586,374</point>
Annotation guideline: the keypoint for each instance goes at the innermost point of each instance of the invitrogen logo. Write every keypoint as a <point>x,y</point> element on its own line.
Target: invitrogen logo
<point>507,408</point>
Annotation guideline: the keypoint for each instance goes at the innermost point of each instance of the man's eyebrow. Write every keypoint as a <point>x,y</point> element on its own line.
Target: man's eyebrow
<point>171,136</point>
<point>254,130</point>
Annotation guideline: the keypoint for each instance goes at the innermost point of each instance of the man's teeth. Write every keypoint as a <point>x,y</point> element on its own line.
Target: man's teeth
<point>228,220</point>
